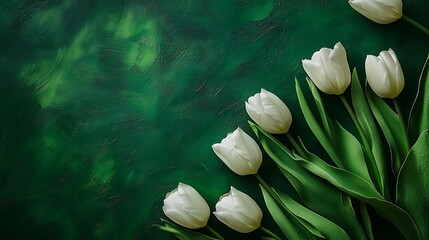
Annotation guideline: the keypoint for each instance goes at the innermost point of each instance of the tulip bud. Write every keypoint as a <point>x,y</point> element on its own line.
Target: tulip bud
<point>384,74</point>
<point>238,211</point>
<point>269,112</point>
<point>329,69</point>
<point>379,11</point>
<point>239,152</point>
<point>185,206</point>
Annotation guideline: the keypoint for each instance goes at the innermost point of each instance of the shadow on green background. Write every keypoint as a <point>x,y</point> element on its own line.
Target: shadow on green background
<point>106,105</point>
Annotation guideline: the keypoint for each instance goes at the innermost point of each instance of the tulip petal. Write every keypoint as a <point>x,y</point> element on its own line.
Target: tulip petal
<point>229,158</point>
<point>377,76</point>
<point>379,11</point>
<point>193,203</point>
<point>237,210</point>
<point>315,72</point>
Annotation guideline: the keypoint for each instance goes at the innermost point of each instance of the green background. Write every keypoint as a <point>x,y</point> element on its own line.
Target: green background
<point>106,105</point>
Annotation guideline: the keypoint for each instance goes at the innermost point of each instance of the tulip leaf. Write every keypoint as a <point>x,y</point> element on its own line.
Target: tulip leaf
<point>310,188</point>
<point>419,115</point>
<point>392,128</point>
<point>413,182</point>
<point>183,233</point>
<point>315,127</point>
<point>359,188</point>
<point>369,128</point>
<point>327,229</point>
<point>327,123</point>
<point>267,238</point>
<point>290,227</point>
<point>344,149</point>
<point>366,220</point>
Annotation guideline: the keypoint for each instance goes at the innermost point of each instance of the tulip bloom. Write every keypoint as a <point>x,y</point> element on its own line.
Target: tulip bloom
<point>329,69</point>
<point>384,74</point>
<point>379,11</point>
<point>239,152</point>
<point>269,112</point>
<point>185,206</point>
<point>238,211</point>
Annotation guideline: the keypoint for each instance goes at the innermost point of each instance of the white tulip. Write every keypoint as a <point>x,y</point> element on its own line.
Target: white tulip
<point>379,11</point>
<point>185,206</point>
<point>329,69</point>
<point>238,211</point>
<point>384,74</point>
<point>239,152</point>
<point>269,112</point>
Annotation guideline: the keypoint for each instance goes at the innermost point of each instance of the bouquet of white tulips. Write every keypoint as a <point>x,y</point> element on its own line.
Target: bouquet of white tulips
<point>357,174</point>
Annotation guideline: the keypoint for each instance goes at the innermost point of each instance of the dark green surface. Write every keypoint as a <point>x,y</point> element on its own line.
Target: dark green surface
<point>106,105</point>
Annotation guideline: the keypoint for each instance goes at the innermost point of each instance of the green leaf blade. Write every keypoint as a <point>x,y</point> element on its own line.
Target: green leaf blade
<point>290,227</point>
<point>309,187</point>
<point>328,229</point>
<point>413,182</point>
<point>183,233</point>
<point>419,116</point>
<point>392,128</point>
<point>359,188</point>
<point>370,130</point>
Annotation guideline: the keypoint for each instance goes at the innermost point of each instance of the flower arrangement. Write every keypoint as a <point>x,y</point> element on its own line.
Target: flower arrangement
<point>357,168</point>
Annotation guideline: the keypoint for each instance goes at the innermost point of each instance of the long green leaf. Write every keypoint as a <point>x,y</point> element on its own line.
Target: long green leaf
<point>413,184</point>
<point>392,127</point>
<point>290,227</point>
<point>419,116</point>
<point>369,128</point>
<point>326,121</point>
<point>359,188</point>
<point>183,233</point>
<point>366,220</point>
<point>328,229</point>
<point>312,191</point>
<point>341,145</point>
<point>315,127</point>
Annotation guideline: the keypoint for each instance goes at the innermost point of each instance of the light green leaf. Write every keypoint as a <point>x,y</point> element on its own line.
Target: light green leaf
<point>344,149</point>
<point>419,116</point>
<point>326,121</point>
<point>366,220</point>
<point>183,233</point>
<point>315,127</point>
<point>359,188</point>
<point>311,190</point>
<point>290,227</point>
<point>413,184</point>
<point>369,128</point>
<point>327,229</point>
<point>392,127</point>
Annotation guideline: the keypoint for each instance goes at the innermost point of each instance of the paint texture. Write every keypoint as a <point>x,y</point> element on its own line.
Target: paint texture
<point>106,105</point>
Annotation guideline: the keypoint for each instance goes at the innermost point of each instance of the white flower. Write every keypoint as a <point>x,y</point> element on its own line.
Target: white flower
<point>185,206</point>
<point>238,211</point>
<point>379,11</point>
<point>329,69</point>
<point>269,112</point>
<point>384,74</point>
<point>239,152</point>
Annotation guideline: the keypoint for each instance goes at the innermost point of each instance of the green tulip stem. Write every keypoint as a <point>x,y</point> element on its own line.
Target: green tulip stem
<point>401,118</point>
<point>372,163</point>
<point>416,24</point>
<point>212,231</point>
<point>295,145</point>
<point>271,234</point>
<point>398,110</point>
<point>271,191</point>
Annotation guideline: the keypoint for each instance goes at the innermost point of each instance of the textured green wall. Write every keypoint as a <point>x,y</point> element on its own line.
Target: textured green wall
<point>106,105</point>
